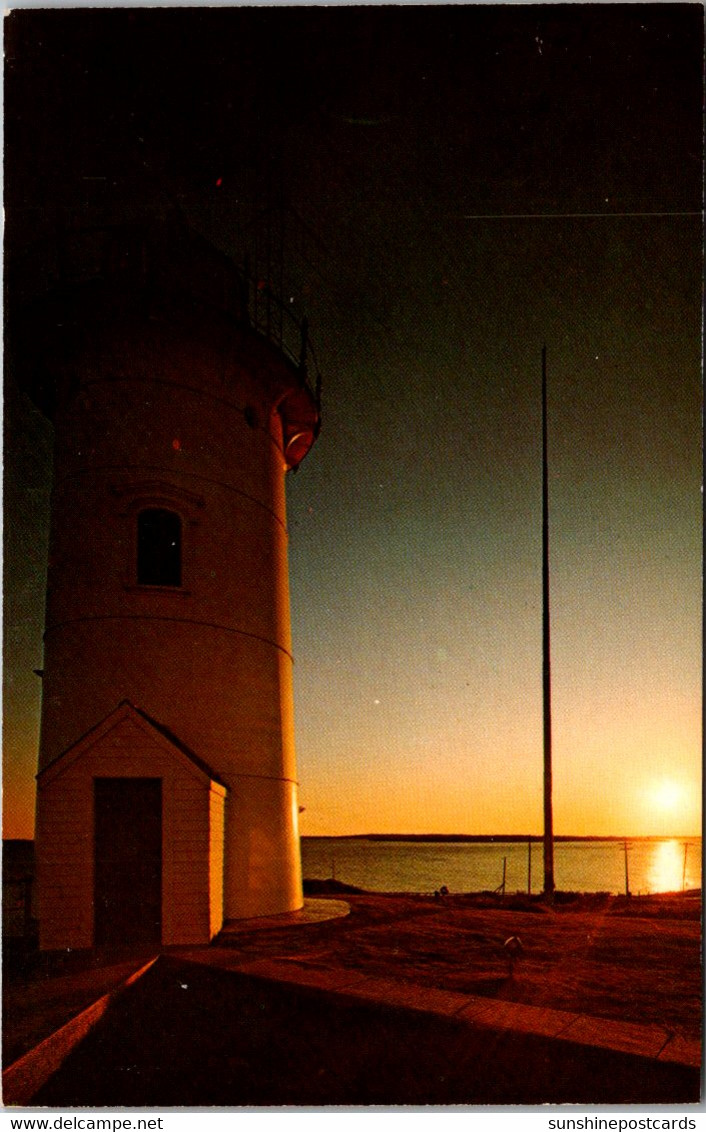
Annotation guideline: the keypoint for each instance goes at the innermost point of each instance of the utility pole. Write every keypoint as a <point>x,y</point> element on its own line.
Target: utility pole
<point>546,654</point>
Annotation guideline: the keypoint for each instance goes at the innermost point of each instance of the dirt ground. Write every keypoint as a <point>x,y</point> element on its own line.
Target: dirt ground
<point>634,959</point>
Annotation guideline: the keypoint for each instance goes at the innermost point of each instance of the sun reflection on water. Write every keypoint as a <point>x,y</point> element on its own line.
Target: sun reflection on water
<point>666,867</point>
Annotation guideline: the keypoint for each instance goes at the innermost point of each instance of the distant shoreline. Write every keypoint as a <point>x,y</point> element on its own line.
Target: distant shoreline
<point>476,838</point>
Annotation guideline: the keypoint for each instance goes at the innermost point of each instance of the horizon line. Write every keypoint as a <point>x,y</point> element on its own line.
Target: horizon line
<point>570,215</point>
<point>522,837</point>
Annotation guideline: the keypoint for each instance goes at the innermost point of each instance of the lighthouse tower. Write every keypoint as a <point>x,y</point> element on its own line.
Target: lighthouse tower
<point>167,788</point>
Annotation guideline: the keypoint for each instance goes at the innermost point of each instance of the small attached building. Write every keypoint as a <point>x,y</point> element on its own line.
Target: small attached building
<point>131,842</point>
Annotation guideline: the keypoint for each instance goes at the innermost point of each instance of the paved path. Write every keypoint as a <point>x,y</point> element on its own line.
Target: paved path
<point>314,911</point>
<point>242,1024</point>
<point>194,1030</point>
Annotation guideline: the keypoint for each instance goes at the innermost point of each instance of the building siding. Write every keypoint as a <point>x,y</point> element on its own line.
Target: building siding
<point>65,836</point>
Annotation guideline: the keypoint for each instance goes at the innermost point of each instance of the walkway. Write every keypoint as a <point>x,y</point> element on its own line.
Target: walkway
<point>226,1026</point>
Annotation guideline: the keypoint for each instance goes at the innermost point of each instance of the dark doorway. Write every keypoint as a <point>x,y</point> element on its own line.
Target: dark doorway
<point>128,862</point>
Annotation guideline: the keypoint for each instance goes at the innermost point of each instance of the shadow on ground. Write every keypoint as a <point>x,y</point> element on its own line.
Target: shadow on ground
<point>190,1035</point>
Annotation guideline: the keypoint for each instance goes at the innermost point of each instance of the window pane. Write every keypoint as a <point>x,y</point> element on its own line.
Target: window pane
<point>158,548</point>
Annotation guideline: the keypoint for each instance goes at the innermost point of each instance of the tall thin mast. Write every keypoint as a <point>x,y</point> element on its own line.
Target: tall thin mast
<point>546,653</point>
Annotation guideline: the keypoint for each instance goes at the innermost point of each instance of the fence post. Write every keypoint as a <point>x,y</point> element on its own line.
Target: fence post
<point>627,878</point>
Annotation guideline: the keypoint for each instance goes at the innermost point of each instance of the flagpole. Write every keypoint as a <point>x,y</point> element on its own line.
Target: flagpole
<point>546,653</point>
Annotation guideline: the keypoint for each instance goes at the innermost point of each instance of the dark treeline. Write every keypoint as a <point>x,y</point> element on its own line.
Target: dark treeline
<point>477,837</point>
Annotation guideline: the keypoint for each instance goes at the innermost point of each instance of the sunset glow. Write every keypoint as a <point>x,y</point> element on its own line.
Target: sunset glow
<point>443,219</point>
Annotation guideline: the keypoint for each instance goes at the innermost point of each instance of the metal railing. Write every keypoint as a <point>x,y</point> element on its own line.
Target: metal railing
<point>173,258</point>
<point>271,317</point>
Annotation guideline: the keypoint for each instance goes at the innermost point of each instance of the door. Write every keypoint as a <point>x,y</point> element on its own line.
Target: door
<point>127,862</point>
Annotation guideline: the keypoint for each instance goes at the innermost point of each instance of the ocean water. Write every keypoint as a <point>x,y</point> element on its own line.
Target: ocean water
<point>665,865</point>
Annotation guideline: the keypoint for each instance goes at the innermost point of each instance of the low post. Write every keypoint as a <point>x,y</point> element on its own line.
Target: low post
<point>627,878</point>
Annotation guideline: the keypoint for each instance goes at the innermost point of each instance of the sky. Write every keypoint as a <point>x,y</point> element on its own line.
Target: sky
<point>454,188</point>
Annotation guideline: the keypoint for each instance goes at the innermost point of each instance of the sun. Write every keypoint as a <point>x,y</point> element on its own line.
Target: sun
<point>667,796</point>
<point>669,805</point>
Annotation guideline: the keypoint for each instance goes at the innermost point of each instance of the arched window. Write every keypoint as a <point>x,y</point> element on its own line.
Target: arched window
<point>158,547</point>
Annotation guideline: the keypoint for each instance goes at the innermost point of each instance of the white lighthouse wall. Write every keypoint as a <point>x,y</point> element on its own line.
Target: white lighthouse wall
<point>266,814</point>
<point>172,421</point>
<point>192,824</point>
<point>216,838</point>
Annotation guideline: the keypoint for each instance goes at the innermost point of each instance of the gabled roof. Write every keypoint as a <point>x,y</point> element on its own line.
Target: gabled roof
<point>177,743</point>
<point>124,711</point>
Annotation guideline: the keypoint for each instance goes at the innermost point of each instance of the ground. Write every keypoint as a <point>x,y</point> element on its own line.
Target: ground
<point>189,1034</point>
<point>634,959</point>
